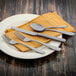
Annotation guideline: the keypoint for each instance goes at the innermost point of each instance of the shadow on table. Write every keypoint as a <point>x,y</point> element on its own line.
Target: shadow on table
<point>34,66</point>
<point>31,62</point>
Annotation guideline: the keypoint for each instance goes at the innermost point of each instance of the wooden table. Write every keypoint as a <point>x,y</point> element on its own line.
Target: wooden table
<point>59,63</point>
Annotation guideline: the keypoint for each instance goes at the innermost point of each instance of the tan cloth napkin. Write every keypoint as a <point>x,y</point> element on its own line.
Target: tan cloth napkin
<point>47,19</point>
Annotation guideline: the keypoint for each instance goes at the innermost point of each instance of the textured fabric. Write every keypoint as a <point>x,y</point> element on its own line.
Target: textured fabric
<point>48,19</point>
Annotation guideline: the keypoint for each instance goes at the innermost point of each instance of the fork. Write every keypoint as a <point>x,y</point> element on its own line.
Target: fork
<point>26,39</point>
<point>13,42</point>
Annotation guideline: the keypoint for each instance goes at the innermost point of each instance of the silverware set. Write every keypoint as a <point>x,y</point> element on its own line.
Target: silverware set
<point>38,28</point>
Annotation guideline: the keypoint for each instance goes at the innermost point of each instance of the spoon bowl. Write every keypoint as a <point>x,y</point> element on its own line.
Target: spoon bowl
<point>37,27</point>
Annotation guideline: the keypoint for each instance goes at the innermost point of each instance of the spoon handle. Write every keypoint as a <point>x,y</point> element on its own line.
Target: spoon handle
<point>57,26</point>
<point>51,37</point>
<point>63,32</point>
<point>49,46</point>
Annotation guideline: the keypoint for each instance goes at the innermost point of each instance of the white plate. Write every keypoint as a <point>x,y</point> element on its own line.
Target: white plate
<point>17,20</point>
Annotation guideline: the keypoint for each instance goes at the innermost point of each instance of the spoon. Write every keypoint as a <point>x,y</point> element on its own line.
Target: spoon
<point>40,28</point>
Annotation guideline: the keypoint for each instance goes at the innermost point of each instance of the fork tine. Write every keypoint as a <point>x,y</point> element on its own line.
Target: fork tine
<point>6,38</point>
<point>22,37</point>
<point>19,35</point>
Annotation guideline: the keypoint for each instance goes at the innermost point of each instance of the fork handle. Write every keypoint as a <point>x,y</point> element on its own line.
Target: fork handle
<point>34,49</point>
<point>49,46</point>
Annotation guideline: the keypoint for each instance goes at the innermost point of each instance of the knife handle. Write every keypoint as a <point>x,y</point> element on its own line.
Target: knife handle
<point>51,37</point>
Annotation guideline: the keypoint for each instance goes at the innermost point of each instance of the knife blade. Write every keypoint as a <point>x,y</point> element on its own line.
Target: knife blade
<point>38,34</point>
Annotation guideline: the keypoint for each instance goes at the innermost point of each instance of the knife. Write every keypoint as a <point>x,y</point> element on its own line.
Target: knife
<point>38,34</point>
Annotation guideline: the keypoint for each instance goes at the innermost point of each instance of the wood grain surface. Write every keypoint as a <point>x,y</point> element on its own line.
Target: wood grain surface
<point>59,63</point>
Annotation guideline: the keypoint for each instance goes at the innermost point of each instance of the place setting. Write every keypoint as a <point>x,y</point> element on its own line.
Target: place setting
<point>31,36</point>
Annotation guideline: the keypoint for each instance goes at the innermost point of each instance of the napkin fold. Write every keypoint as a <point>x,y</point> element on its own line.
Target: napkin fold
<point>47,20</point>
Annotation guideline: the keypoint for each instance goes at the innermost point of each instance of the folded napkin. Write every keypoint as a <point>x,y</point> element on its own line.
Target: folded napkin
<point>48,19</point>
